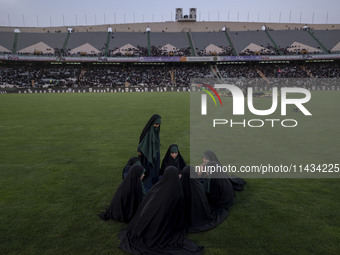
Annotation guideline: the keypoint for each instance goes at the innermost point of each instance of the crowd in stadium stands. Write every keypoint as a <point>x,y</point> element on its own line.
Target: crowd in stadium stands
<point>153,75</point>
<point>226,51</point>
<point>268,50</point>
<point>140,51</point>
<point>158,51</point>
<point>271,50</point>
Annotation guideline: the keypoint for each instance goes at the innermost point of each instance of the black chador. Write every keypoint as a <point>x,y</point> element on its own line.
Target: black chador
<point>158,225</point>
<point>149,144</point>
<point>199,214</point>
<point>172,158</point>
<point>238,183</point>
<point>127,198</point>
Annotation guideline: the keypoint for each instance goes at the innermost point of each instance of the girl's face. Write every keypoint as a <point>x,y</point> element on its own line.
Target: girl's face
<point>174,155</point>
<point>142,176</point>
<point>156,125</point>
<point>205,160</point>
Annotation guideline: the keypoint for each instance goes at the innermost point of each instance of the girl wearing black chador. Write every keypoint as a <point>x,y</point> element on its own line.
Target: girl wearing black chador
<point>149,144</point>
<point>158,226</point>
<point>127,198</point>
<point>173,158</point>
<point>199,214</point>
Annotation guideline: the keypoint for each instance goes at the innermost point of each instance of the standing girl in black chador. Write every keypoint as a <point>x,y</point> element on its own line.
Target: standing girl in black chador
<point>149,144</point>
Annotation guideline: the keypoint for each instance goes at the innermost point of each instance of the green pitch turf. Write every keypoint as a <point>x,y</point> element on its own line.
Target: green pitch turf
<point>61,157</point>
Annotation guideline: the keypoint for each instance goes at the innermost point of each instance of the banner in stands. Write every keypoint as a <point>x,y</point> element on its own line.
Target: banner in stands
<point>10,57</point>
<point>93,90</point>
<point>161,59</point>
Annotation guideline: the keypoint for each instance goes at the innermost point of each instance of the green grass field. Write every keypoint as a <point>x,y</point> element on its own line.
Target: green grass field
<point>61,157</point>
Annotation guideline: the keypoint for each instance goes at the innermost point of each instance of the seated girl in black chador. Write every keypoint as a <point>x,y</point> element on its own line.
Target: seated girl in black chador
<point>173,158</point>
<point>199,214</point>
<point>158,225</point>
<point>238,183</point>
<point>128,196</point>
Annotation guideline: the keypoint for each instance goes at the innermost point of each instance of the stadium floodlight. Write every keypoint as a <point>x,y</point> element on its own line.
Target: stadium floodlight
<point>109,30</point>
<point>69,30</point>
<point>148,29</point>
<point>264,28</point>
<point>223,29</point>
<point>17,30</point>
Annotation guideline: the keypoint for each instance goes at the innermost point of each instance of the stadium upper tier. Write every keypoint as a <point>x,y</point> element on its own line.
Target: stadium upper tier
<point>170,26</point>
<point>173,39</point>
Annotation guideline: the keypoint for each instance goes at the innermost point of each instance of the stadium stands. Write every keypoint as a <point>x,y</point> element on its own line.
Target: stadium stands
<point>218,39</point>
<point>120,39</point>
<point>330,38</point>
<point>53,41</point>
<point>286,39</point>
<point>286,42</point>
<point>6,41</point>
<point>94,57</point>
<point>95,39</point>
<point>71,76</point>
<point>243,39</point>
<point>178,40</point>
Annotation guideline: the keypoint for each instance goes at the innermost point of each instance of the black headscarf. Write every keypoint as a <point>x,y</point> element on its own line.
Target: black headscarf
<point>128,165</point>
<point>238,183</point>
<point>179,162</point>
<point>158,225</point>
<point>148,125</point>
<point>127,198</point>
<point>199,215</point>
<point>211,156</point>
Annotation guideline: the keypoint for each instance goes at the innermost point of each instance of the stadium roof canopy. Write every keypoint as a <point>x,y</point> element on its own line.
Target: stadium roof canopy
<point>296,46</point>
<point>169,48</point>
<point>85,48</point>
<point>3,49</point>
<point>336,47</point>
<point>127,48</point>
<point>213,49</point>
<point>255,48</point>
<point>40,47</point>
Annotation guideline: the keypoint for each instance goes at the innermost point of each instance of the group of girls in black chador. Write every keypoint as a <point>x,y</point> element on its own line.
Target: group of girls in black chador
<point>161,204</point>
